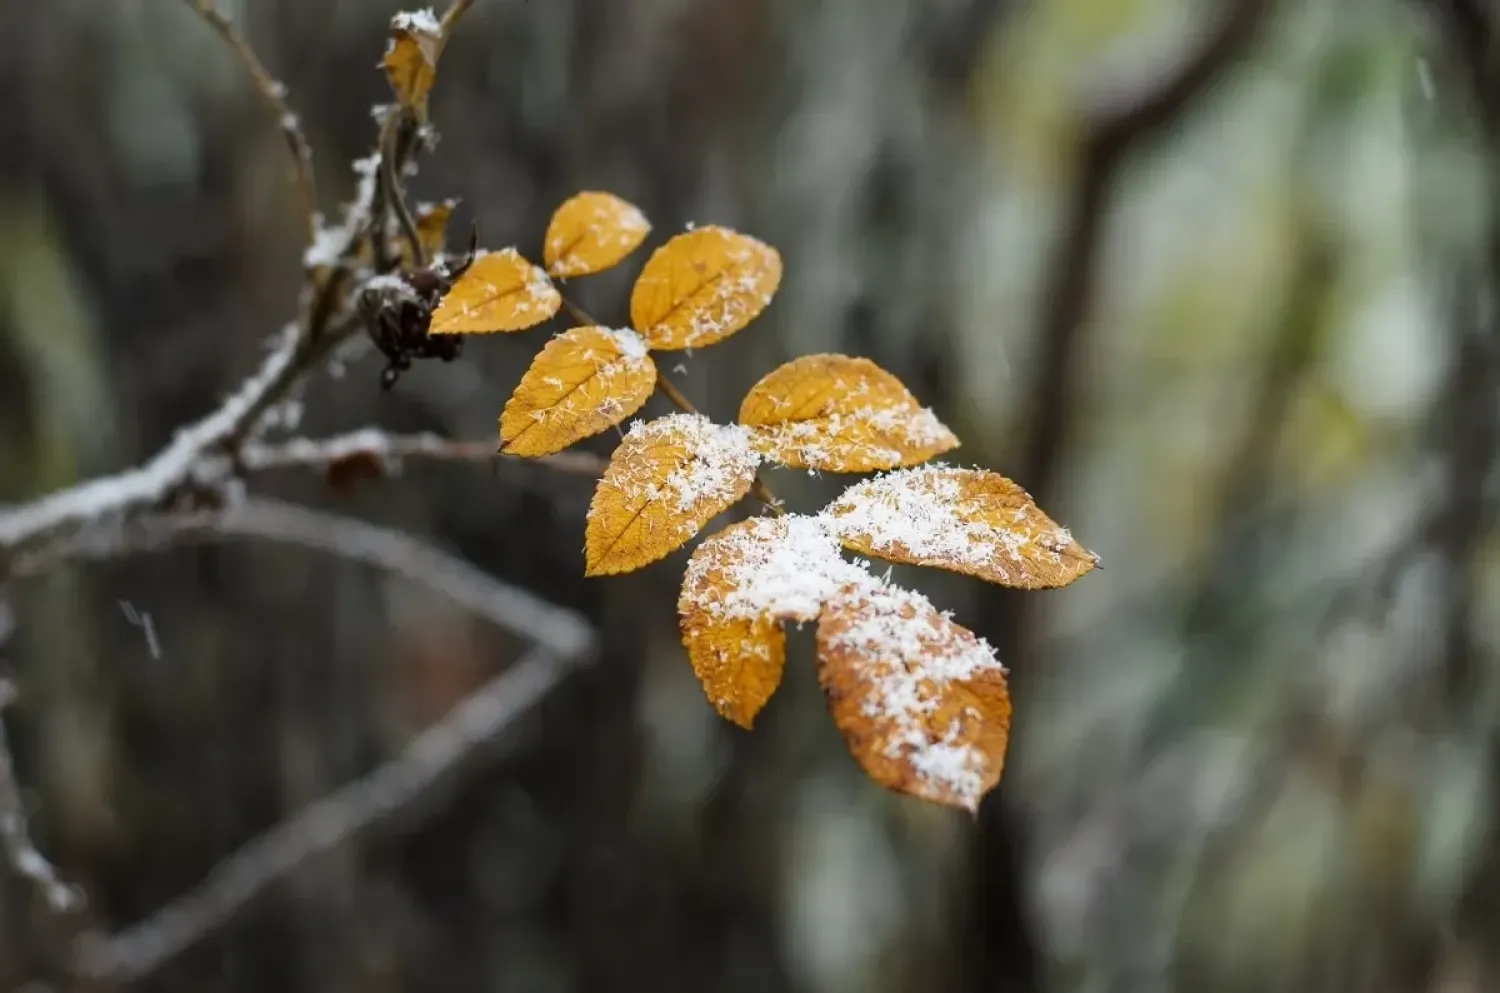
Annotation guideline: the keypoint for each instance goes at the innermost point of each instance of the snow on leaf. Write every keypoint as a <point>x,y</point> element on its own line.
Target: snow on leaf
<point>584,381</point>
<point>840,414</point>
<point>702,286</point>
<point>501,291</point>
<point>921,701</point>
<point>739,586</point>
<point>410,61</point>
<point>967,520</point>
<point>665,480</point>
<point>592,232</point>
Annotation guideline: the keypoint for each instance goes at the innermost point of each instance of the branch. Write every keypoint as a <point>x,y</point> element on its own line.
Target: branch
<point>321,826</point>
<point>198,459</point>
<point>389,449</point>
<point>1116,123</point>
<point>15,838</point>
<point>559,630</point>
<point>274,94</point>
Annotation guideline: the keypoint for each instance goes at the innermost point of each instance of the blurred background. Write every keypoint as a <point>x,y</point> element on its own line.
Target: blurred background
<point>1214,279</point>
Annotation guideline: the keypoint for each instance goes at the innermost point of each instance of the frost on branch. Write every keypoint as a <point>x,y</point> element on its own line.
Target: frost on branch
<point>584,381</point>
<point>967,520</point>
<point>921,701</point>
<point>665,480</point>
<point>592,232</point>
<point>702,286</point>
<point>841,414</point>
<point>500,291</point>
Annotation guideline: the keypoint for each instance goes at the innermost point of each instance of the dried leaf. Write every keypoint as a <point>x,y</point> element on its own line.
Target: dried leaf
<point>411,57</point>
<point>739,586</point>
<point>702,286</point>
<point>667,479</point>
<point>591,232</point>
<point>921,701</point>
<point>583,381</point>
<point>346,471</point>
<point>432,229</point>
<point>841,414</point>
<point>968,520</point>
<point>501,291</point>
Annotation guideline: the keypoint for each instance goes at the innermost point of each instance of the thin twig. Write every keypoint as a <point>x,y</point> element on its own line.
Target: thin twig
<point>391,450</point>
<point>20,852</point>
<point>678,398</point>
<point>274,94</point>
<point>455,10</point>
<point>397,787</point>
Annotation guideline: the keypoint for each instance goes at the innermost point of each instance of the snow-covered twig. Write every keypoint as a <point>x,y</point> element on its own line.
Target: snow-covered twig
<point>392,449</point>
<point>20,853</point>
<point>198,458</point>
<point>396,786</point>
<point>274,94</point>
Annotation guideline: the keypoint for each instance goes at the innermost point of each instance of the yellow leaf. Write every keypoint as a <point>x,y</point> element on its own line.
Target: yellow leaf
<point>501,291</point>
<point>411,58</point>
<point>968,520</point>
<point>841,414</point>
<point>730,613</point>
<point>591,232</point>
<point>702,286</point>
<point>921,701</point>
<point>583,381</point>
<point>667,479</point>
<point>432,229</point>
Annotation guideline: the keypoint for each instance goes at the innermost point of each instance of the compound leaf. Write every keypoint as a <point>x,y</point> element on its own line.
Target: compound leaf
<point>592,232</point>
<point>500,291</point>
<point>840,414</point>
<point>967,520</point>
<point>584,381</point>
<point>665,480</point>
<point>921,701</point>
<point>702,286</point>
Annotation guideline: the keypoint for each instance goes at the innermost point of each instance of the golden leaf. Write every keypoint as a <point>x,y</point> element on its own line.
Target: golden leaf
<point>432,230</point>
<point>501,291</point>
<point>591,232</point>
<point>840,414</point>
<point>411,58</point>
<point>735,644</point>
<point>667,479</point>
<point>921,701</point>
<point>702,286</point>
<point>583,381</point>
<point>968,520</point>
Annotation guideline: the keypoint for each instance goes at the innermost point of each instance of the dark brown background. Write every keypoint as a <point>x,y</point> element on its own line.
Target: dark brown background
<point>1211,315</point>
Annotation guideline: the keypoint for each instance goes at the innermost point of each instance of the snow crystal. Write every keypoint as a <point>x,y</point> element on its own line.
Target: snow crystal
<point>786,567</point>
<point>722,459</point>
<point>422,21</point>
<point>631,345</point>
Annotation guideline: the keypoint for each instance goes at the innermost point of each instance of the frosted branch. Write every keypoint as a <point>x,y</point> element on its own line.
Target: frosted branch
<point>274,95</point>
<point>391,450</point>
